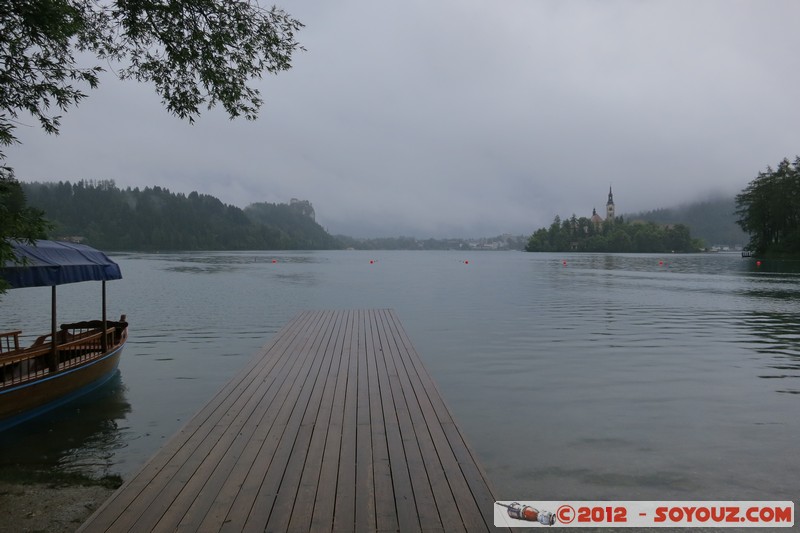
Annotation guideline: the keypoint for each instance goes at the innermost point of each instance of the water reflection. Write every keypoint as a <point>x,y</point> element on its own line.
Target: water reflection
<point>658,263</point>
<point>222,263</point>
<point>305,279</point>
<point>77,439</point>
<point>775,335</point>
<point>206,269</point>
<point>773,266</point>
<point>231,258</point>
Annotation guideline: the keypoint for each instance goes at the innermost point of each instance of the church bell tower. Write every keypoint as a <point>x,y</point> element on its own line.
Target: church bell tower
<point>610,206</point>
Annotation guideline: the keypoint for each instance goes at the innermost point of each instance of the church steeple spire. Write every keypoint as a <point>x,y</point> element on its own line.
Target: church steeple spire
<point>610,205</point>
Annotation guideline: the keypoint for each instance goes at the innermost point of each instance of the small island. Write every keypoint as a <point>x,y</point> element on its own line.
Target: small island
<point>612,234</point>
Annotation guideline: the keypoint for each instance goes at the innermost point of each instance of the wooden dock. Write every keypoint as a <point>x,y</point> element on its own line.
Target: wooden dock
<point>334,426</point>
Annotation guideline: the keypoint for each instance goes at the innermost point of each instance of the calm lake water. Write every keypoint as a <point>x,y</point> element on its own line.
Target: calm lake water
<point>584,377</point>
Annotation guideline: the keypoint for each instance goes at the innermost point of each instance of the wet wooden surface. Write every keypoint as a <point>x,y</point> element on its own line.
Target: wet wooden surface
<point>334,426</point>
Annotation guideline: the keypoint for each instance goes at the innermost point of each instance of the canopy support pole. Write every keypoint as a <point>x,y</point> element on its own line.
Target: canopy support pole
<point>54,332</point>
<point>105,326</point>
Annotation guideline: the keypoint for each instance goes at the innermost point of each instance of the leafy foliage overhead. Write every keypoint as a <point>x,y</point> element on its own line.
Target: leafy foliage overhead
<point>195,52</point>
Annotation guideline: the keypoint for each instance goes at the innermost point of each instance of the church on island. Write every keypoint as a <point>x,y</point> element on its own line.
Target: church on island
<point>597,219</point>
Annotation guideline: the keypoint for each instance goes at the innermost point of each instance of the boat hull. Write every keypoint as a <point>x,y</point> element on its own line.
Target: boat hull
<point>31,399</point>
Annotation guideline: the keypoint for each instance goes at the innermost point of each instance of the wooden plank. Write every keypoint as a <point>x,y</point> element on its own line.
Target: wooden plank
<point>325,498</point>
<point>181,489</point>
<point>451,446</point>
<point>449,517</point>
<point>396,414</point>
<point>118,508</point>
<point>256,497</point>
<point>415,438</point>
<point>274,409</point>
<point>385,510</point>
<point>211,499</point>
<point>363,499</point>
<point>301,512</point>
<point>304,466</point>
<point>335,426</point>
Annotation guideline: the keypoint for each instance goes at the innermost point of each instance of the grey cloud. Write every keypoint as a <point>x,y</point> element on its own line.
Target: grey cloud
<point>468,118</point>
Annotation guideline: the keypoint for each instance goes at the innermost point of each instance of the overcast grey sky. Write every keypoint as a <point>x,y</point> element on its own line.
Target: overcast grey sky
<point>469,117</point>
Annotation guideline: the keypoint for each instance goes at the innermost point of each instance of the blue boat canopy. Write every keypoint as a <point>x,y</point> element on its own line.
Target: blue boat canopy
<point>52,263</point>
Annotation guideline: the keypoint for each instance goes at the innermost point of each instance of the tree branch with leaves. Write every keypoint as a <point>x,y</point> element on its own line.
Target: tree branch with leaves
<point>195,53</point>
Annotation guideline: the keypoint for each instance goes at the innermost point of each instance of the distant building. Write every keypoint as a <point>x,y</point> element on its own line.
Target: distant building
<point>77,239</point>
<point>304,207</point>
<point>596,219</point>
<point>610,206</point>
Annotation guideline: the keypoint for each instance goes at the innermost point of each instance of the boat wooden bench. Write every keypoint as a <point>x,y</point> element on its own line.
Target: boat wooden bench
<point>22,364</point>
<point>9,342</point>
<point>72,350</point>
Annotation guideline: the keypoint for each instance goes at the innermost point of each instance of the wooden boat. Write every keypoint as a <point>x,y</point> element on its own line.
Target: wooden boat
<point>71,360</point>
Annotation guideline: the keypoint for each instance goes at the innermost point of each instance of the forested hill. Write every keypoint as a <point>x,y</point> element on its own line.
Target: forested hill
<point>713,221</point>
<point>154,218</point>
